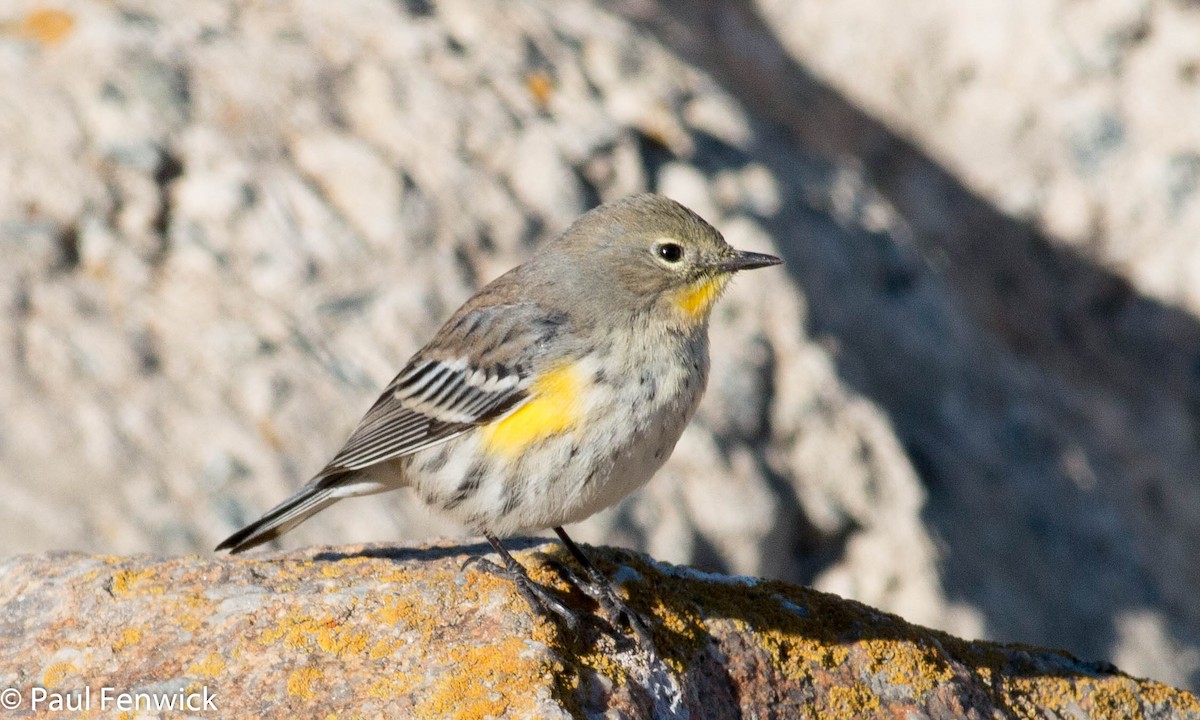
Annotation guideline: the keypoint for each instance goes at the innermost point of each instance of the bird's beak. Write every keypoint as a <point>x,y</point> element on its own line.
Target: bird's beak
<point>743,260</point>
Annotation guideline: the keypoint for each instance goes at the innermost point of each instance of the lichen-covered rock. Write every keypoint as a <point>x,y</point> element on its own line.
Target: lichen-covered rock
<point>1014,287</point>
<point>224,226</point>
<point>375,631</point>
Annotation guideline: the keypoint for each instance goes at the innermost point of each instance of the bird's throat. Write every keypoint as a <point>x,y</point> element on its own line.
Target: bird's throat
<point>695,301</point>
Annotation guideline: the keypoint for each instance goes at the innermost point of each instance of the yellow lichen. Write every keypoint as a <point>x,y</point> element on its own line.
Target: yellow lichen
<point>484,682</point>
<point>301,631</point>
<point>188,612</point>
<point>300,682</point>
<point>804,636</point>
<point>410,614</point>
<point>54,674</point>
<point>128,583</point>
<point>396,610</point>
<point>910,662</point>
<point>382,649</point>
<point>1108,697</point>
<point>131,636</point>
<point>211,666</point>
<point>340,641</point>
<point>392,686</point>
<point>856,701</point>
<point>1156,693</point>
<point>291,571</point>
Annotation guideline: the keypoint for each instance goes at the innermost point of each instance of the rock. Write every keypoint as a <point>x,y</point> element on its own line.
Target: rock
<point>395,631</point>
<point>1009,288</point>
<point>275,208</point>
<point>226,226</point>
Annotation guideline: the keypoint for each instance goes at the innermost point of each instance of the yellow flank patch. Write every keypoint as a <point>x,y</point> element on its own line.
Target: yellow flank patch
<point>695,300</point>
<point>553,408</point>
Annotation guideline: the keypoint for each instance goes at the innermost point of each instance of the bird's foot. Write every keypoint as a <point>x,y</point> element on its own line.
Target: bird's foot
<point>540,601</point>
<point>598,587</point>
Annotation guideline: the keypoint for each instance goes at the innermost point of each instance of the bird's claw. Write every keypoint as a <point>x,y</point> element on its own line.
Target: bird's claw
<point>541,602</point>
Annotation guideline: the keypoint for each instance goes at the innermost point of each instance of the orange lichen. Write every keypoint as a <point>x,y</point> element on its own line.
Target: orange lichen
<point>268,432</point>
<point>541,87</point>
<point>408,613</point>
<point>47,26</point>
<point>1155,693</point>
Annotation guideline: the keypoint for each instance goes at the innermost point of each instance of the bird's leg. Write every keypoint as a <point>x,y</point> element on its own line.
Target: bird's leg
<point>541,602</point>
<point>605,594</point>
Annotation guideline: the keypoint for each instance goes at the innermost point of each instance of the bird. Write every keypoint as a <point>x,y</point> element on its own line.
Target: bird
<point>555,391</point>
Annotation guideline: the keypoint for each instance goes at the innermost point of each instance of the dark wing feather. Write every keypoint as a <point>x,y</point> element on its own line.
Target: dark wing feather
<point>429,402</point>
<point>442,393</point>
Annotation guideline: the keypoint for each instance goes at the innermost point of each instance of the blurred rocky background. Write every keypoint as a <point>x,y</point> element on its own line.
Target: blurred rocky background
<point>971,397</point>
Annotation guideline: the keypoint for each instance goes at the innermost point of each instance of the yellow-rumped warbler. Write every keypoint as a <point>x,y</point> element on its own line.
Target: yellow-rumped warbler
<point>555,391</point>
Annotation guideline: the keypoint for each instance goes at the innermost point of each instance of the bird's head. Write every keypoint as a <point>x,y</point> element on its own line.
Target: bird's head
<point>649,254</point>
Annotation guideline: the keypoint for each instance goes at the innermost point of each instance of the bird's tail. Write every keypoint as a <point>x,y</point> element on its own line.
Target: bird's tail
<point>312,498</point>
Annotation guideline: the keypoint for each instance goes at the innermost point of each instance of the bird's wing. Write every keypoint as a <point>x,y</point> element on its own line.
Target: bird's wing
<point>477,368</point>
<point>429,402</point>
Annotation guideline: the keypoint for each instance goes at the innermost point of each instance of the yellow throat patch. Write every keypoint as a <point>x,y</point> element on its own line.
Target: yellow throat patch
<point>695,301</point>
<point>553,408</point>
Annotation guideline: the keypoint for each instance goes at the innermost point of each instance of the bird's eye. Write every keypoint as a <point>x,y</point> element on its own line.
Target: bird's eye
<point>669,252</point>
